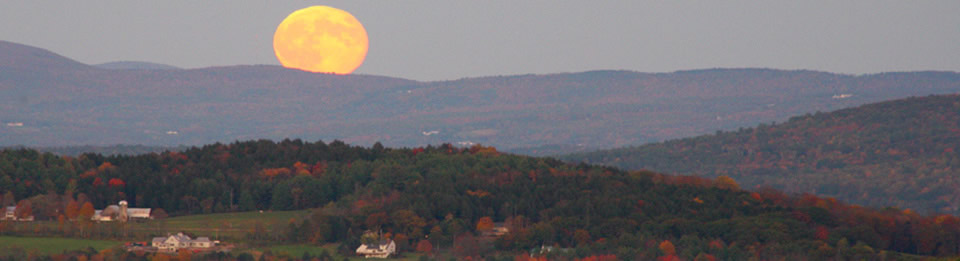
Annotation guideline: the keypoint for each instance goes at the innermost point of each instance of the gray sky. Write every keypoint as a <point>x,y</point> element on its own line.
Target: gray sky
<point>444,39</point>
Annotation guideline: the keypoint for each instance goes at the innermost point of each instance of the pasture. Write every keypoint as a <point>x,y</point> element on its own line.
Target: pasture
<point>222,225</point>
<point>54,245</point>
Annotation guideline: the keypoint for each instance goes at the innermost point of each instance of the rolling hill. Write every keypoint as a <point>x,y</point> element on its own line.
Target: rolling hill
<point>50,100</point>
<point>901,153</point>
<point>447,195</point>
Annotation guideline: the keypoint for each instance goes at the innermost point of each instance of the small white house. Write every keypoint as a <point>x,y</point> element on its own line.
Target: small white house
<point>10,213</point>
<point>382,249</point>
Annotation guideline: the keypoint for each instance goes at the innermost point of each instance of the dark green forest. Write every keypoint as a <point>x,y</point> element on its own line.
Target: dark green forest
<point>447,197</point>
<point>900,153</point>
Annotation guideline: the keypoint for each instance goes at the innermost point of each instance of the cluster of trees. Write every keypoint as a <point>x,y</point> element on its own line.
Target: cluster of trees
<point>900,153</point>
<point>449,198</point>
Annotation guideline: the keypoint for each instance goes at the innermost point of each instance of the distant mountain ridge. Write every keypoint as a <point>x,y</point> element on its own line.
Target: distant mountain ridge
<point>901,153</point>
<point>49,100</point>
<point>135,65</point>
<point>128,150</point>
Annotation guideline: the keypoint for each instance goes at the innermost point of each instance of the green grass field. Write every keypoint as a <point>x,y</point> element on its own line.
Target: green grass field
<point>299,250</point>
<point>231,227</point>
<point>55,245</point>
<point>237,220</point>
<point>234,225</point>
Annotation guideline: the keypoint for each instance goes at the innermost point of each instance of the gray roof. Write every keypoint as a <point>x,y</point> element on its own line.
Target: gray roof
<point>110,210</point>
<point>182,237</point>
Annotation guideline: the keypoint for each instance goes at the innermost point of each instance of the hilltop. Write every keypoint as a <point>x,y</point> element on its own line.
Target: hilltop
<point>901,153</point>
<point>135,65</point>
<point>49,100</point>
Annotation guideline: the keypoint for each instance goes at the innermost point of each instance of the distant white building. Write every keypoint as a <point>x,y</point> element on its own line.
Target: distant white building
<point>180,241</point>
<point>382,249</point>
<point>10,213</point>
<point>120,212</point>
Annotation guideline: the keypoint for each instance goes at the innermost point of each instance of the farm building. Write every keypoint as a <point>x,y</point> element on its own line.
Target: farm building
<point>120,212</point>
<point>381,249</point>
<point>10,213</point>
<point>180,241</point>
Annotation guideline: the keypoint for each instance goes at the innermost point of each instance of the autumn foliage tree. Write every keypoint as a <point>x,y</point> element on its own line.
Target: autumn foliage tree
<point>72,210</point>
<point>24,209</point>
<point>485,224</point>
<point>86,211</point>
<point>424,246</point>
<point>115,182</point>
<point>726,182</point>
<point>667,248</point>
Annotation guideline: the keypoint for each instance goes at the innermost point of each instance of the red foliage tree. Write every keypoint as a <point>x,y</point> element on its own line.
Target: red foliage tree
<point>822,233</point>
<point>425,247</point>
<point>116,183</point>
<point>599,258</point>
<point>375,220</point>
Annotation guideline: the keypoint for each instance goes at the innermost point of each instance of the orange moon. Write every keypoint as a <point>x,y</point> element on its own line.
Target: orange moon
<point>321,39</point>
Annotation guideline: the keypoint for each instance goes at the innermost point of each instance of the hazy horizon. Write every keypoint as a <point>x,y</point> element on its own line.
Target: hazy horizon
<point>440,40</point>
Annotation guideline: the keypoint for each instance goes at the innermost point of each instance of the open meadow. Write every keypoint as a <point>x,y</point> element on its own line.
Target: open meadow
<point>54,245</point>
<point>231,226</point>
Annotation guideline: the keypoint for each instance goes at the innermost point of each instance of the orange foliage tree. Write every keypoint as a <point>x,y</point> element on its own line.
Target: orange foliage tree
<point>301,168</point>
<point>485,224</point>
<point>270,173</point>
<point>72,210</point>
<point>726,182</point>
<point>86,211</point>
<point>667,247</point>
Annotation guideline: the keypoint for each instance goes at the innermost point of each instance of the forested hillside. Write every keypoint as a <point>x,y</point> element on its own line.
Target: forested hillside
<point>900,153</point>
<point>446,195</point>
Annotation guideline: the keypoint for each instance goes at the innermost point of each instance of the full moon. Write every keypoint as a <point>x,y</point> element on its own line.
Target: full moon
<point>321,39</point>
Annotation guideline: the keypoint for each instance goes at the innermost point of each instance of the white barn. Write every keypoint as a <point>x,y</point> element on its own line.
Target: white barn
<point>120,212</point>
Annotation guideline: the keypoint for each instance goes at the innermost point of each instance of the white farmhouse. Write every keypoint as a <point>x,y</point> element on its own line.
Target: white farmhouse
<point>381,249</point>
<point>173,243</point>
